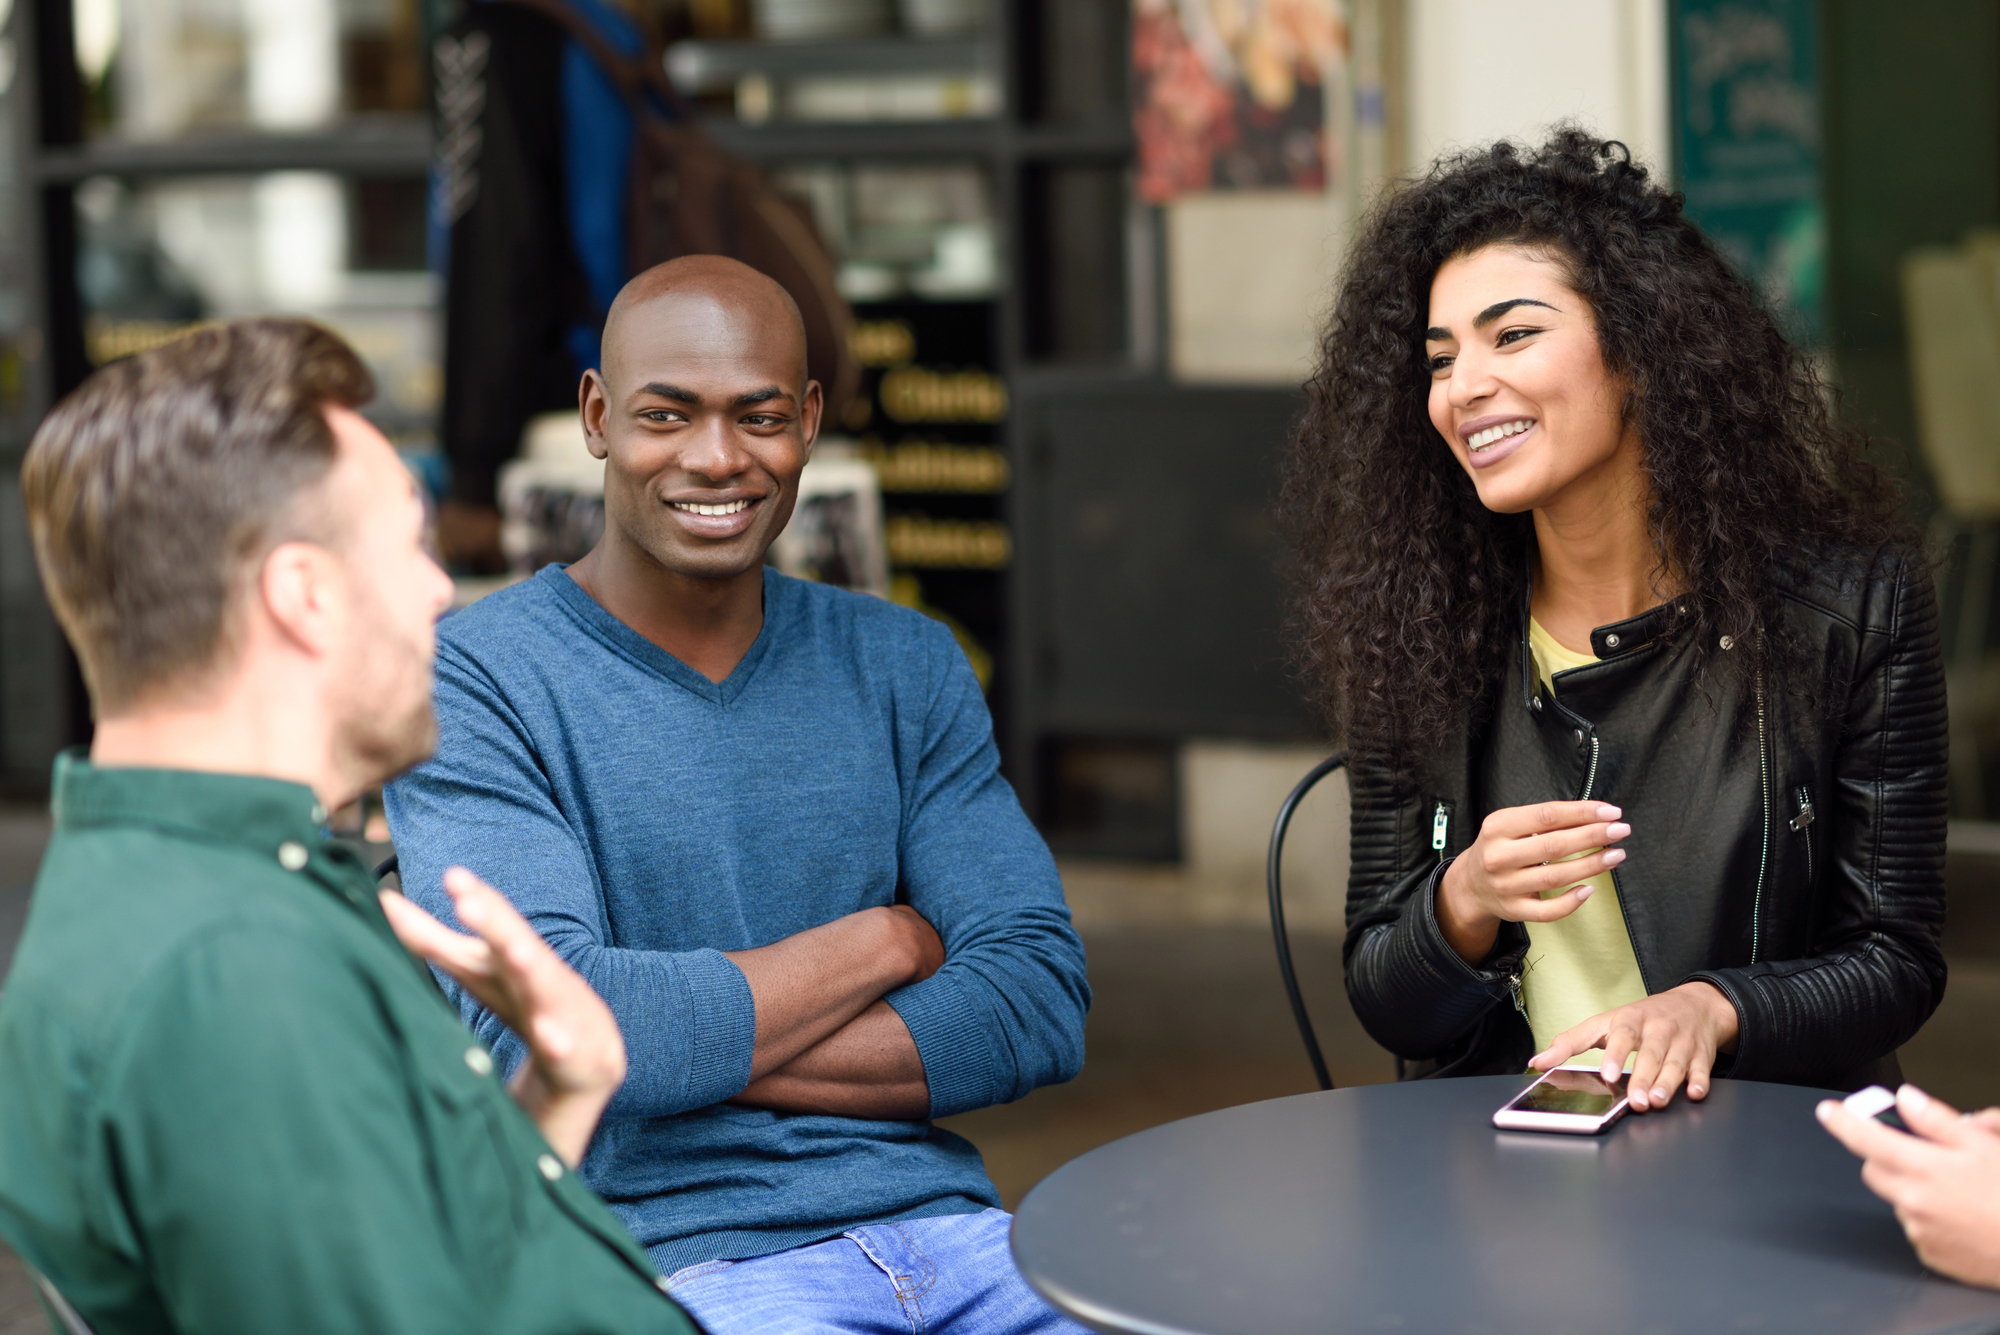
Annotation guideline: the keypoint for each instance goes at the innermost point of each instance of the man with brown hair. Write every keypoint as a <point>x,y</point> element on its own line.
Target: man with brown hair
<point>229,1100</point>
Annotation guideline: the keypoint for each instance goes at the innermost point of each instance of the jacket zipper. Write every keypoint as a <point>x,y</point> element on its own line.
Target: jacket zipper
<point>1441,828</point>
<point>1440,833</point>
<point>1590,778</point>
<point>1801,824</point>
<point>1764,790</point>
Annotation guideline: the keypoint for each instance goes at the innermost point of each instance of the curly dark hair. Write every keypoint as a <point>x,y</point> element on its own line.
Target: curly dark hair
<point>1408,590</point>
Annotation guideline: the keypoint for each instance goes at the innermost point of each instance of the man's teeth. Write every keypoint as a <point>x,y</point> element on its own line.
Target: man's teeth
<point>696,508</point>
<point>1481,439</point>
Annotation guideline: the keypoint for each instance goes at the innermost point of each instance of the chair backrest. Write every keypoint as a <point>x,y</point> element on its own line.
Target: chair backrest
<point>65,1315</point>
<point>1279,935</point>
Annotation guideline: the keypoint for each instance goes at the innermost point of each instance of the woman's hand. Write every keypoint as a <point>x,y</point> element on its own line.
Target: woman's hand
<point>1943,1180</point>
<point>576,1055</point>
<point>1518,855</point>
<point>1672,1036</point>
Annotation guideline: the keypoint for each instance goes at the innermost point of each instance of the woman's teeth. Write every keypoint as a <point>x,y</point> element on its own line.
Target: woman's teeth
<point>1481,440</point>
<point>696,508</point>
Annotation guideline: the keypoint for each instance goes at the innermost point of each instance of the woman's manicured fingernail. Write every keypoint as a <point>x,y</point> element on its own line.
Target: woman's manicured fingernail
<point>1618,830</point>
<point>1583,892</point>
<point>1696,1091</point>
<point>1918,1100</point>
<point>1659,1095</point>
<point>1824,1109</point>
<point>1608,812</point>
<point>1613,856</point>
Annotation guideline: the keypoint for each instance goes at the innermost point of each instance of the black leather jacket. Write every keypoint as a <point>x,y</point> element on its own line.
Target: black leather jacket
<point>1790,854</point>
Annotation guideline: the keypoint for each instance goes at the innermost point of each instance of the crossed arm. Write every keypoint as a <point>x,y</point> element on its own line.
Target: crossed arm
<point>860,1016</point>
<point>826,1041</point>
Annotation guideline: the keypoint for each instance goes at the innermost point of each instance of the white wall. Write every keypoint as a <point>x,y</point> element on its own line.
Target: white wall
<point>1230,793</point>
<point>1480,70</point>
<point>1250,275</point>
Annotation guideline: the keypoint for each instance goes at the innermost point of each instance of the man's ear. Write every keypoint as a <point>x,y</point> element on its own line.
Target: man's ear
<point>592,403</point>
<point>810,413</point>
<point>301,591</point>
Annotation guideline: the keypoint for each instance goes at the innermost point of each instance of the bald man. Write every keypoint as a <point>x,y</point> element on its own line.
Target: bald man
<point>764,818</point>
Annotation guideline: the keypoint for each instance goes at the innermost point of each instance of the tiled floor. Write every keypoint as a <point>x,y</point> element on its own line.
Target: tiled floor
<point>1189,1019</point>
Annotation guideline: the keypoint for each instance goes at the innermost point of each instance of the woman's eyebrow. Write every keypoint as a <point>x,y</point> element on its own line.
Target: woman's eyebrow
<point>1500,308</point>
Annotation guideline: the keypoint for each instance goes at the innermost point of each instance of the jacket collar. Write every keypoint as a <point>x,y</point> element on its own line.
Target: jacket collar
<point>242,809</point>
<point>1606,642</point>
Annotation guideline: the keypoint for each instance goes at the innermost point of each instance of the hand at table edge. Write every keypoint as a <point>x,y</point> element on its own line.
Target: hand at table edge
<point>1672,1036</point>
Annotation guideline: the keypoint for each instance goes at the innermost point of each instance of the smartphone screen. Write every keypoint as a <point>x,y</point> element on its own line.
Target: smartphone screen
<point>1577,1093</point>
<point>1875,1102</point>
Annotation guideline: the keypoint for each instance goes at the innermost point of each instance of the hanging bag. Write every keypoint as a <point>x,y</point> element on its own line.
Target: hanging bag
<point>687,195</point>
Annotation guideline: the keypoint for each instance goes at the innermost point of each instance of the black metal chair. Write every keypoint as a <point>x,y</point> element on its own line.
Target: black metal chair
<point>1278,933</point>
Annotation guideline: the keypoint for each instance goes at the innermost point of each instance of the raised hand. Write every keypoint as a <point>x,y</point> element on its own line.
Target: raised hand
<point>576,1055</point>
<point>1518,856</point>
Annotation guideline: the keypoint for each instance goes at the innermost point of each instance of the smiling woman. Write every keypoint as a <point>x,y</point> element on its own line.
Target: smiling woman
<point>1606,601</point>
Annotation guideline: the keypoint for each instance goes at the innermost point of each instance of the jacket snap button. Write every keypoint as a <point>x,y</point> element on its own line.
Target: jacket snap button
<point>1579,736</point>
<point>479,1060</point>
<point>1611,642</point>
<point>1729,641</point>
<point>292,855</point>
<point>1535,704</point>
<point>549,1166</point>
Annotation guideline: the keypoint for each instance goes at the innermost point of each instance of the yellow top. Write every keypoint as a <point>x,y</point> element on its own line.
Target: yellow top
<point>1581,965</point>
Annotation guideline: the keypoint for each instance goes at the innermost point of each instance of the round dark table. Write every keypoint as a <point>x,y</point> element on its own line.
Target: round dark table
<point>1401,1208</point>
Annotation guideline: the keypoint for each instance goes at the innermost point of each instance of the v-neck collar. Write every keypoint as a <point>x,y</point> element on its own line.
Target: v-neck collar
<point>630,644</point>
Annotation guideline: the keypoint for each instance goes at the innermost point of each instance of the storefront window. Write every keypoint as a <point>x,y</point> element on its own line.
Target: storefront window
<point>157,69</point>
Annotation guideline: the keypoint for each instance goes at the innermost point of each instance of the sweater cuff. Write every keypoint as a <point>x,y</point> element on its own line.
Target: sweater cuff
<point>723,1016</point>
<point>957,1058</point>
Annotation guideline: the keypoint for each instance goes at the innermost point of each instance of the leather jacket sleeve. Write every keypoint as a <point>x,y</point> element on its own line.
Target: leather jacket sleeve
<point>1411,991</point>
<point>1876,972</point>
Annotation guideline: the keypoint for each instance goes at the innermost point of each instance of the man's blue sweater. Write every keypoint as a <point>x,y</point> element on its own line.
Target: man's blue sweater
<point>646,819</point>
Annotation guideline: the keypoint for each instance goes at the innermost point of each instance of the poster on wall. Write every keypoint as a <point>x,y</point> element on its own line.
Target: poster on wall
<point>1233,94</point>
<point>1747,142</point>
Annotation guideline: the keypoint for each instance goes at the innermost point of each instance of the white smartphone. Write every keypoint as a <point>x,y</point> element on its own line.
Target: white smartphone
<point>1875,1102</point>
<point>1572,1100</point>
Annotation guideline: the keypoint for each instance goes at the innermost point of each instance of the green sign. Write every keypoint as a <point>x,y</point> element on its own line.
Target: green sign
<point>1747,144</point>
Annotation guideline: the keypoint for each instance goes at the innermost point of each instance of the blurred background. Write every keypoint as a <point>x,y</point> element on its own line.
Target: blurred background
<point>1085,245</point>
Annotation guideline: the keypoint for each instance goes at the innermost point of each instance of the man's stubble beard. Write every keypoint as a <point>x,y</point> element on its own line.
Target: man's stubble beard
<point>386,721</point>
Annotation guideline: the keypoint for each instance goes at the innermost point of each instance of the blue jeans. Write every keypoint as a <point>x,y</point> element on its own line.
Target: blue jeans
<point>950,1274</point>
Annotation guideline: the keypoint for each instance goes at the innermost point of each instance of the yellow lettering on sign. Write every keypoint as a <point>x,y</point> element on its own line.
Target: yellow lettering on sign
<point>913,394</point>
<point>882,342</point>
<point>923,465</point>
<point>949,544</point>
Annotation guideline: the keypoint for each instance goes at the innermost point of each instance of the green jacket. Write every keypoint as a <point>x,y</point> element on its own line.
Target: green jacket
<point>230,1101</point>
